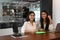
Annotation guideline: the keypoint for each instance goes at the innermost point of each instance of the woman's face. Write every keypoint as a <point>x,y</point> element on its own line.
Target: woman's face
<point>44,15</point>
<point>31,16</point>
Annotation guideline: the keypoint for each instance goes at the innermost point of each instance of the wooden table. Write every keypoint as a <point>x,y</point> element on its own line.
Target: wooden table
<point>47,36</point>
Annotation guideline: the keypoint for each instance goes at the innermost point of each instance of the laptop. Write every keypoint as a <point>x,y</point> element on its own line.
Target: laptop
<point>57,28</point>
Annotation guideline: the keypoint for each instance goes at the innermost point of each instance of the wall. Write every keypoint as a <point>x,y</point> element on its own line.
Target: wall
<point>53,7</point>
<point>56,12</point>
<point>1,7</point>
<point>5,0</point>
<point>46,5</point>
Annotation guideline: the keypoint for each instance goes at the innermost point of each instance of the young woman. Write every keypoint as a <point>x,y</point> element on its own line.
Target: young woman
<point>45,21</point>
<point>29,26</point>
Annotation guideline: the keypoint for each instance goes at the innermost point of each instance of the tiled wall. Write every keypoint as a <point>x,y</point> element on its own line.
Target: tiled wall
<point>4,19</point>
<point>1,7</point>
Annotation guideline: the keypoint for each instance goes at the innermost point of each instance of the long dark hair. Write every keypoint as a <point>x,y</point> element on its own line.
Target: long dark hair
<point>47,20</point>
<point>27,19</point>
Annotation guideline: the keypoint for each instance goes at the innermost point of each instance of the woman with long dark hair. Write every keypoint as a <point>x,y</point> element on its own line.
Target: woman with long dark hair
<point>29,26</point>
<point>45,21</point>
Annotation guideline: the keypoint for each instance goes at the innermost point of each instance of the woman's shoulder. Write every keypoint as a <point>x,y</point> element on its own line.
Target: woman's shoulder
<point>25,22</point>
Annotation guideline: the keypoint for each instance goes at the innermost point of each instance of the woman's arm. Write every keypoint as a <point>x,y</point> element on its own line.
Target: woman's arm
<point>51,22</point>
<point>38,24</point>
<point>23,28</point>
<point>51,27</point>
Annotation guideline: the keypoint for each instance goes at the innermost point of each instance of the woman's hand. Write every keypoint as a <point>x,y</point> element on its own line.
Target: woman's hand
<point>49,16</point>
<point>51,22</point>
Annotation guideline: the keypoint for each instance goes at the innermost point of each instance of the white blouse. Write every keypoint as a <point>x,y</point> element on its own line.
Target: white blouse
<point>28,26</point>
<point>50,26</point>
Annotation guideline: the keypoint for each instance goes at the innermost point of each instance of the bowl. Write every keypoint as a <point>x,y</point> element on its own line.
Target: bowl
<point>40,32</point>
